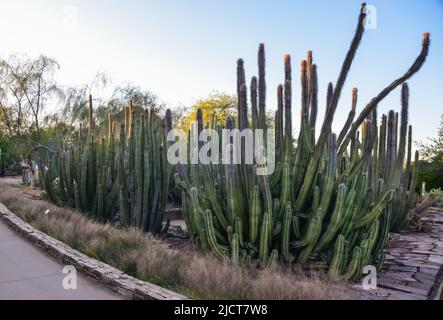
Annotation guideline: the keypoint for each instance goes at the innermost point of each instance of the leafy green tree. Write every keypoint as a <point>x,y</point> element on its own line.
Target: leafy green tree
<point>431,167</point>
<point>219,104</point>
<point>433,150</point>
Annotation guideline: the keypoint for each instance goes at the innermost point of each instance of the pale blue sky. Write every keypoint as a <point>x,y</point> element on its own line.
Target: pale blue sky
<point>182,50</point>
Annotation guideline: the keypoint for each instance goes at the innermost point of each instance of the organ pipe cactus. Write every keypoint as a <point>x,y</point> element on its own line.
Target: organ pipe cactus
<point>124,176</point>
<point>330,200</point>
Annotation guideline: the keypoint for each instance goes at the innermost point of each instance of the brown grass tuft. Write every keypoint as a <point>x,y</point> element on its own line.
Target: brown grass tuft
<point>280,284</point>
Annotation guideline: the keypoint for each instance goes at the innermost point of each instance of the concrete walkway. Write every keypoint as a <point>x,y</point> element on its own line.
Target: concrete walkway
<point>28,273</point>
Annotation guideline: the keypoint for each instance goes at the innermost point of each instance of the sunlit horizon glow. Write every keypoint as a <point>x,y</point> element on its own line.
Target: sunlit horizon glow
<point>184,50</point>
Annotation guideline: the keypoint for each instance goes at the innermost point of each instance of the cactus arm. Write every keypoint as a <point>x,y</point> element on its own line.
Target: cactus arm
<point>286,232</point>
<point>418,63</point>
<point>337,258</point>
<point>217,249</point>
<point>254,216</point>
<point>350,119</point>
<point>264,238</point>
<point>235,249</point>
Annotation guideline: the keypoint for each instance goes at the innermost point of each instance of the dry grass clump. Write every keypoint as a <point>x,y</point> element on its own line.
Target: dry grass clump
<point>222,280</point>
<point>146,258</point>
<point>205,276</point>
<point>280,284</point>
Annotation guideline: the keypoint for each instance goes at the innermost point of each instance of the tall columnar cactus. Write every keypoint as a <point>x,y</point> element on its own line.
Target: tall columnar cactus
<point>125,174</point>
<point>331,199</point>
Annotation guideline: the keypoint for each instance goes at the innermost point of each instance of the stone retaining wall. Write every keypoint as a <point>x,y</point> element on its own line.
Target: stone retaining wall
<point>113,278</point>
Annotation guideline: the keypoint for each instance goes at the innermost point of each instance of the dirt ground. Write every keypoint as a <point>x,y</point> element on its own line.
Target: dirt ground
<point>15,182</point>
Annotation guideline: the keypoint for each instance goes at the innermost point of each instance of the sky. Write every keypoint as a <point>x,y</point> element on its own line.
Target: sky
<point>182,50</point>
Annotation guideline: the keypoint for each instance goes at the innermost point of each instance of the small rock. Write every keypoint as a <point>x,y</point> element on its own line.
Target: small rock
<point>436,259</point>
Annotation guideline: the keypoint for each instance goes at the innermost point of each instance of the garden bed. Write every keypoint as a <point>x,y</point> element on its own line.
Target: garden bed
<point>140,256</point>
<point>413,268</point>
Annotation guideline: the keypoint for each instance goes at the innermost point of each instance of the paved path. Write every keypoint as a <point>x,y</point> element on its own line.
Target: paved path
<point>414,263</point>
<point>26,272</point>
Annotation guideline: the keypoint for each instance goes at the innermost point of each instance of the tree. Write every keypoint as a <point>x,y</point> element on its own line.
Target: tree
<point>76,100</point>
<point>122,95</point>
<point>219,104</point>
<point>27,85</point>
<point>431,167</point>
<point>12,114</point>
<point>216,104</point>
<point>433,150</point>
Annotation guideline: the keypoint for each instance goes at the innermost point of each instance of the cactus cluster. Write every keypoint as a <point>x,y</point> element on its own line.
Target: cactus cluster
<point>122,175</point>
<point>332,199</point>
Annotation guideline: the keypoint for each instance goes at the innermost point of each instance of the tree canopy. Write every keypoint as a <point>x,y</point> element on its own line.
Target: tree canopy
<point>216,104</point>
<point>431,167</point>
<point>433,149</point>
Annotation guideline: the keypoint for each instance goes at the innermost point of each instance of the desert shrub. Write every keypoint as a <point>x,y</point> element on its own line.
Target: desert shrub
<point>438,195</point>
